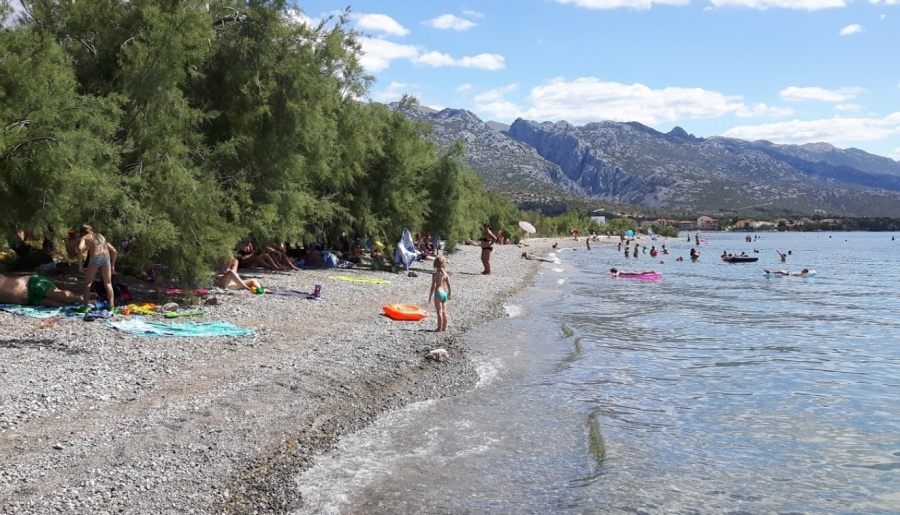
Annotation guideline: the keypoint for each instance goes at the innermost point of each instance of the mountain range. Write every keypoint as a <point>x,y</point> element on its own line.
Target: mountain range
<point>633,164</point>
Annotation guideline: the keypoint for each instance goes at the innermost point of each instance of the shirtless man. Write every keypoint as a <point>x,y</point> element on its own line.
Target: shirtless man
<point>35,290</point>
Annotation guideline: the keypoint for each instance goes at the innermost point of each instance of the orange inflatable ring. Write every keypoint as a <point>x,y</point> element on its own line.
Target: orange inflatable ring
<point>404,312</point>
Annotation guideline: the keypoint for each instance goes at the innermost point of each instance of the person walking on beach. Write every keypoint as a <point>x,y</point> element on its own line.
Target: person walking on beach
<point>102,257</point>
<point>439,280</point>
<point>487,245</point>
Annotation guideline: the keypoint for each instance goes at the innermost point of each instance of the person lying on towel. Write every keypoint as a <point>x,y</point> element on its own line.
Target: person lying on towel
<point>35,290</point>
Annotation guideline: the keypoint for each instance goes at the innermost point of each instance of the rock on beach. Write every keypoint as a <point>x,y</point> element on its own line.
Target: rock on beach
<point>93,420</point>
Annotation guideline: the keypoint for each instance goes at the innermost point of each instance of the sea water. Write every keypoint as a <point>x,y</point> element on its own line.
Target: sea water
<point>715,389</point>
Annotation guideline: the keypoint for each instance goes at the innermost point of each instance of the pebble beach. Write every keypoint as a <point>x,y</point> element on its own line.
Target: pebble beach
<point>95,420</point>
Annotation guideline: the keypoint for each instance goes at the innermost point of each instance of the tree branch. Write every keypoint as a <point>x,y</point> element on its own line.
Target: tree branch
<point>12,150</point>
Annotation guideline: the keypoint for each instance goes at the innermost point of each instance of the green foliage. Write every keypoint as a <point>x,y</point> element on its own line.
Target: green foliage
<point>186,126</point>
<point>56,146</point>
<point>621,225</point>
<point>666,230</point>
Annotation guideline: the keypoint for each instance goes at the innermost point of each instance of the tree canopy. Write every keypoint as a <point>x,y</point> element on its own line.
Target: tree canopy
<point>185,126</point>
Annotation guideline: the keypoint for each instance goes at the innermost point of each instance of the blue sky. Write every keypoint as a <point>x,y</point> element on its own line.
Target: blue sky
<point>788,71</point>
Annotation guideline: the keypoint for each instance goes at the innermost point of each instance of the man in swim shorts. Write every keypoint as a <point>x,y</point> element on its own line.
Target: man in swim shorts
<point>35,290</point>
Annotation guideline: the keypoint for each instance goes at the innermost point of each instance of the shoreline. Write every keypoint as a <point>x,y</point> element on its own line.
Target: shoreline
<point>92,419</point>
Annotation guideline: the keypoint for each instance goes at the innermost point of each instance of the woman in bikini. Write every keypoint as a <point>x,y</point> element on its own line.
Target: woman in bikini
<point>102,257</point>
<point>487,245</point>
<point>227,277</point>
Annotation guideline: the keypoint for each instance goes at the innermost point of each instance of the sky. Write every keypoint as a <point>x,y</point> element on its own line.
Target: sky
<point>787,71</point>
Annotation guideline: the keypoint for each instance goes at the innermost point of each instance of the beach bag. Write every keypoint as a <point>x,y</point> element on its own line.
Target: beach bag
<point>119,290</point>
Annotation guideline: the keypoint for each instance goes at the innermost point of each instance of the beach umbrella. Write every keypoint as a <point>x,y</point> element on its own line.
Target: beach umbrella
<point>629,232</point>
<point>528,228</point>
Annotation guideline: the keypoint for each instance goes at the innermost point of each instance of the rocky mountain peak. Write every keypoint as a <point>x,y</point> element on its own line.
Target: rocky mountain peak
<point>632,163</point>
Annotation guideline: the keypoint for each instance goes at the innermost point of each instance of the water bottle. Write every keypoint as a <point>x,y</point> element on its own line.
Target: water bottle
<point>317,294</point>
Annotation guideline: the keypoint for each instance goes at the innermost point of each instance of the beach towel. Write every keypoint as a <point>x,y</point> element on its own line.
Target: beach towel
<point>179,291</point>
<point>358,279</point>
<point>140,327</point>
<point>288,293</point>
<point>97,315</point>
<point>40,311</point>
<point>406,250</point>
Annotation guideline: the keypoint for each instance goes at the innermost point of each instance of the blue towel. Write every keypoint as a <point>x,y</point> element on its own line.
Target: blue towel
<point>40,311</point>
<point>97,315</point>
<point>140,327</point>
<point>289,293</point>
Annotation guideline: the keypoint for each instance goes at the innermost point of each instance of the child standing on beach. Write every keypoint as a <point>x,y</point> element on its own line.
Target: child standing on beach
<point>438,280</point>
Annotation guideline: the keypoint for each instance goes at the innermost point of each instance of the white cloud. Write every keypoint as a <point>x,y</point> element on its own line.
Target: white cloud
<point>298,16</point>
<point>16,12</point>
<point>378,53</point>
<point>473,14</point>
<point>496,94</point>
<point>802,5</point>
<point>502,110</point>
<point>589,99</point>
<point>851,29</point>
<point>617,4</point>
<point>799,5</point>
<point>885,2</point>
<point>848,107</point>
<point>395,92</point>
<point>450,22</point>
<point>883,16</point>
<point>464,88</point>
<point>798,94</point>
<point>494,102</point>
<point>481,61</point>
<point>380,23</point>
<point>834,130</point>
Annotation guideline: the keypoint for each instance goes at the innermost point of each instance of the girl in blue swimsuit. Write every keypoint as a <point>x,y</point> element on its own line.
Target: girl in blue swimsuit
<point>439,280</point>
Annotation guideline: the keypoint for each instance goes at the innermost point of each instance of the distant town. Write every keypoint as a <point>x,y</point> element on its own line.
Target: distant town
<point>804,224</point>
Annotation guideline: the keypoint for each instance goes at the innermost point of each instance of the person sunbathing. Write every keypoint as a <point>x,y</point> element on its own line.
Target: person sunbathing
<point>278,252</point>
<point>35,290</point>
<point>228,279</point>
<point>530,256</point>
<point>249,258</point>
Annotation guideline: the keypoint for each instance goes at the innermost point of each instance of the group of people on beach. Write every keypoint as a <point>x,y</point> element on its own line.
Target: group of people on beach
<point>94,254</point>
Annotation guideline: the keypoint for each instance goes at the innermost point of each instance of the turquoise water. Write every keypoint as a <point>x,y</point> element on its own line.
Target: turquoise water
<point>713,390</point>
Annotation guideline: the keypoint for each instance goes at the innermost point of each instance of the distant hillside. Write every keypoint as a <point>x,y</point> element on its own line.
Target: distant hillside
<point>630,163</point>
<point>505,164</point>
